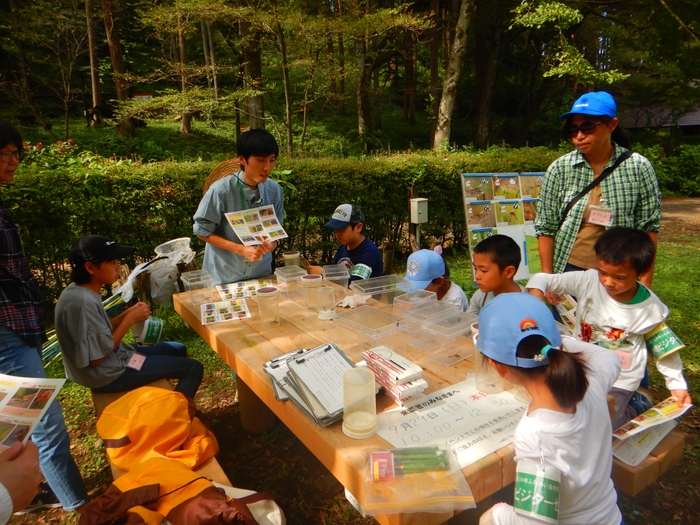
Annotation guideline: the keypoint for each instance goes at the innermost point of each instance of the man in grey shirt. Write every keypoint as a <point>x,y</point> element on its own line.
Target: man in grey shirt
<point>225,257</point>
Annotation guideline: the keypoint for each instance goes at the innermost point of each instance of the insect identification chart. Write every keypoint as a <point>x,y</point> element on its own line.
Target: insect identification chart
<point>473,423</point>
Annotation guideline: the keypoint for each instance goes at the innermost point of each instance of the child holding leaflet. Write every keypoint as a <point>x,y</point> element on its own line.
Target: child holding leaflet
<point>616,311</point>
<point>566,434</point>
<point>496,261</point>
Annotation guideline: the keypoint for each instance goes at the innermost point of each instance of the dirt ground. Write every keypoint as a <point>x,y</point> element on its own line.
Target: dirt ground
<point>309,495</point>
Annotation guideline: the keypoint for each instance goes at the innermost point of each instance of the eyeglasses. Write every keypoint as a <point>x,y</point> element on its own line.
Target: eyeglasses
<point>587,128</point>
<point>7,156</point>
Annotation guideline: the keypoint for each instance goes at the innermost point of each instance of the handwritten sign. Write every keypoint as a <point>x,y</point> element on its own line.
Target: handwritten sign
<point>473,423</point>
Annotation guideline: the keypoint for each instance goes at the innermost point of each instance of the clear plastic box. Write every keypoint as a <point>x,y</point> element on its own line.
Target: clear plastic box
<point>411,299</point>
<point>337,276</point>
<point>198,283</point>
<point>383,289</point>
<point>450,331</point>
<point>374,328</point>
<point>416,316</point>
<point>289,282</point>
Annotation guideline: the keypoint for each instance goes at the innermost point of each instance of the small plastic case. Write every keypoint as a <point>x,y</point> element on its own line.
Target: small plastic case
<point>450,331</point>
<point>198,283</point>
<point>416,316</point>
<point>337,276</point>
<point>289,281</point>
<point>373,328</point>
<point>411,299</point>
<point>383,289</point>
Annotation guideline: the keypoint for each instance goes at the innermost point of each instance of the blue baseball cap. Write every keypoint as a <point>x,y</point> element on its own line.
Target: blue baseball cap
<point>422,267</point>
<point>344,215</point>
<point>508,319</point>
<point>597,103</point>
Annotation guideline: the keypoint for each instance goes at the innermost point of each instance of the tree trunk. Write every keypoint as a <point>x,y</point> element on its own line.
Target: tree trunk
<point>454,69</point>
<point>205,50</point>
<point>364,123</point>
<point>212,62</point>
<point>124,127</point>
<point>94,115</point>
<point>434,6</point>
<point>287,88</point>
<point>341,65</point>
<point>186,120</point>
<point>377,102</point>
<point>252,74</point>
<point>23,70</point>
<point>409,92</point>
<point>488,41</point>
<point>309,87</point>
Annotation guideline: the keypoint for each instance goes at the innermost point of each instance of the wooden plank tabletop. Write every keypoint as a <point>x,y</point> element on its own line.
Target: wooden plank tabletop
<point>246,346</point>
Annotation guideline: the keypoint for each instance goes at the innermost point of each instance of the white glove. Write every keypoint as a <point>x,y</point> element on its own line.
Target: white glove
<point>353,301</point>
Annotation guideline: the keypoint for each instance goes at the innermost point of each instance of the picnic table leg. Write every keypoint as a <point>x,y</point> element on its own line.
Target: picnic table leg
<point>255,416</point>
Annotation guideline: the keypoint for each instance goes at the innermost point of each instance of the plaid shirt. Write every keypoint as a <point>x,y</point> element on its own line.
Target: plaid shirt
<point>21,307</point>
<point>631,192</point>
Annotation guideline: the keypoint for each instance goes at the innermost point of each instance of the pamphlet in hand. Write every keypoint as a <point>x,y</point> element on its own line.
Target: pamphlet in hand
<point>660,413</point>
<point>224,311</point>
<point>256,225</point>
<point>242,288</point>
<point>23,402</point>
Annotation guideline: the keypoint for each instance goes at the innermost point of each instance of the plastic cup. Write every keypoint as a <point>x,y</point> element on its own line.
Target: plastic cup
<point>269,306</point>
<point>326,302</point>
<point>291,258</point>
<point>359,403</point>
<point>310,284</point>
<point>148,332</point>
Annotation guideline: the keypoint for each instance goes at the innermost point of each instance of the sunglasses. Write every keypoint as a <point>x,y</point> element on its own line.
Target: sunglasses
<point>587,128</point>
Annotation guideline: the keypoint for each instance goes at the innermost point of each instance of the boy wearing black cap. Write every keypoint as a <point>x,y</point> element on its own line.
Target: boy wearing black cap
<point>357,252</point>
<point>91,343</point>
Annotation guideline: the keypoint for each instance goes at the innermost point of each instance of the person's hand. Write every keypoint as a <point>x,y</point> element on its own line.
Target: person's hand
<point>267,246</point>
<point>553,298</point>
<point>251,253</point>
<point>139,312</point>
<point>536,292</point>
<point>682,397</point>
<point>20,474</point>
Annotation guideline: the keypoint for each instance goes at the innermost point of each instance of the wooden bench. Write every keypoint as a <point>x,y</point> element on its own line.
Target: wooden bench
<point>209,469</point>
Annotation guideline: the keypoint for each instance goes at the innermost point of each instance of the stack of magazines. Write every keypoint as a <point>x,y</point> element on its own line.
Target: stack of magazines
<point>313,379</point>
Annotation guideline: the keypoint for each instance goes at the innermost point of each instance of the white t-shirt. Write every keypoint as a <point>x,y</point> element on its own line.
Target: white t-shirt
<point>609,323</point>
<point>579,445</point>
<point>455,295</point>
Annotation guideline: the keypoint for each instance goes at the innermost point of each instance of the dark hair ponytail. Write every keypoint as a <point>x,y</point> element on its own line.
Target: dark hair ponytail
<point>565,376</point>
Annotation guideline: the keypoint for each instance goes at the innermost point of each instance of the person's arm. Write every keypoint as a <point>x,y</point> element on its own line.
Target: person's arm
<point>122,323</point>
<point>647,213</point>
<point>671,368</point>
<point>545,245</point>
<point>648,277</point>
<point>251,253</point>
<point>317,270</point>
<point>20,474</point>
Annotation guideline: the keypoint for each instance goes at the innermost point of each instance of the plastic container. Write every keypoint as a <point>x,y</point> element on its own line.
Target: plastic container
<point>198,283</point>
<point>170,247</point>
<point>411,299</point>
<point>310,284</point>
<point>450,331</point>
<point>269,306</point>
<point>148,332</point>
<point>291,258</point>
<point>338,277</point>
<point>289,281</point>
<point>326,302</point>
<point>373,327</point>
<point>416,316</point>
<point>359,403</point>
<point>383,289</point>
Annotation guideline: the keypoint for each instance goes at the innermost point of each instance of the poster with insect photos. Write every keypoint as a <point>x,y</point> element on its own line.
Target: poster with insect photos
<point>505,204</point>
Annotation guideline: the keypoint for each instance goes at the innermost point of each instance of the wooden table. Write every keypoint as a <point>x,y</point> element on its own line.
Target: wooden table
<point>246,346</point>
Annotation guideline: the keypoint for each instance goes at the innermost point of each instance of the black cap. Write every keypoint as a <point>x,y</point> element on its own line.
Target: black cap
<point>98,248</point>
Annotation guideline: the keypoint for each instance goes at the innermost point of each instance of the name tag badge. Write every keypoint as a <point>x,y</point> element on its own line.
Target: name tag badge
<point>136,361</point>
<point>600,216</point>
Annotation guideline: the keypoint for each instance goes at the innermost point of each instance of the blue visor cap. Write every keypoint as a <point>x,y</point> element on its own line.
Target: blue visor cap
<point>508,319</point>
<point>595,103</point>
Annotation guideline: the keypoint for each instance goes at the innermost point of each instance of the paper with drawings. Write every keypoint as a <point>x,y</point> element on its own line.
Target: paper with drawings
<point>633,450</point>
<point>473,423</point>
<point>256,225</point>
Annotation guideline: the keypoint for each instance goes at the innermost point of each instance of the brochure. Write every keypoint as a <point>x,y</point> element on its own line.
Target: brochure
<point>660,413</point>
<point>242,289</point>
<point>224,311</point>
<point>23,402</point>
<point>256,225</point>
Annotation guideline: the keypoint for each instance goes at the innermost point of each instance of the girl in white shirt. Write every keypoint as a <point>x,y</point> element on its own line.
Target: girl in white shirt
<point>567,426</point>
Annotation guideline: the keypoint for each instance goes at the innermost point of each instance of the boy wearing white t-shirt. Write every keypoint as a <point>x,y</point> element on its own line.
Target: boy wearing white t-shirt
<point>616,311</point>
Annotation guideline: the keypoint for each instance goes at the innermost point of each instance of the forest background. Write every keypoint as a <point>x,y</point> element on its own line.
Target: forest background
<point>127,105</point>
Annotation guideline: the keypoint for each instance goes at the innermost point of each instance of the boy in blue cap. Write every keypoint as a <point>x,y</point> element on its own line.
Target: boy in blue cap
<point>357,252</point>
<point>427,270</point>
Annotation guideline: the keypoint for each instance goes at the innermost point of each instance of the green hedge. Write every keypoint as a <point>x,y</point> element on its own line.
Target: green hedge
<point>145,205</point>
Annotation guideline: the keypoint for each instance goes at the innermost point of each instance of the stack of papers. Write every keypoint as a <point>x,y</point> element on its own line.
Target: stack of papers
<point>313,379</point>
<point>400,377</point>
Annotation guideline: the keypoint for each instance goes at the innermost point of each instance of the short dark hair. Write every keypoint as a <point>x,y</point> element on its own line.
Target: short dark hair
<point>78,272</point>
<point>9,135</point>
<point>256,142</point>
<point>619,245</point>
<point>503,250</point>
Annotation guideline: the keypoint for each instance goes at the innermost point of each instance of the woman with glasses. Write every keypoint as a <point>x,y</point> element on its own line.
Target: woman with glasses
<point>622,189</point>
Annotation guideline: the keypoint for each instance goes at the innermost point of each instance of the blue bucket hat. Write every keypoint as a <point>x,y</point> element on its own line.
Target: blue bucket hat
<point>508,319</point>
<point>422,267</point>
<point>596,103</point>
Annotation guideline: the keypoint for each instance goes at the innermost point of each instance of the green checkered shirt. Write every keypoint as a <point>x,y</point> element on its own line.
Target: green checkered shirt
<point>631,192</point>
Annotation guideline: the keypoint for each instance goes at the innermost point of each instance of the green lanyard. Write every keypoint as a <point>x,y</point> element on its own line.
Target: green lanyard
<point>245,202</point>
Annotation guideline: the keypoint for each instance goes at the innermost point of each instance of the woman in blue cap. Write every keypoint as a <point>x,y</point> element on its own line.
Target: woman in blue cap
<point>598,185</point>
<point>563,444</point>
